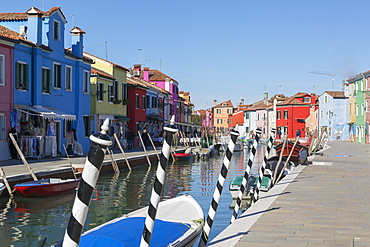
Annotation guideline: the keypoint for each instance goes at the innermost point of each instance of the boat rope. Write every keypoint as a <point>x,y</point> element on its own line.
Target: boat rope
<point>158,183</point>
<point>99,143</point>
<point>263,166</point>
<point>252,154</point>
<point>218,191</point>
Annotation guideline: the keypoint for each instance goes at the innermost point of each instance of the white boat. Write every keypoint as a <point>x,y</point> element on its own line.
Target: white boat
<point>178,223</point>
<point>2,188</point>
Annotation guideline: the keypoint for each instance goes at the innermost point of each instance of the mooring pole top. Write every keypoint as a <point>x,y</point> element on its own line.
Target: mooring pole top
<point>102,137</point>
<point>172,127</point>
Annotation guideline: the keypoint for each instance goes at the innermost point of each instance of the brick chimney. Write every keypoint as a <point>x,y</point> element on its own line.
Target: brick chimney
<point>77,41</point>
<point>146,74</point>
<point>215,102</point>
<point>137,71</point>
<point>34,29</point>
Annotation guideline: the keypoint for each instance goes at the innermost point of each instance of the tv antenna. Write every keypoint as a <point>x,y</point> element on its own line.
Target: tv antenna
<point>325,73</point>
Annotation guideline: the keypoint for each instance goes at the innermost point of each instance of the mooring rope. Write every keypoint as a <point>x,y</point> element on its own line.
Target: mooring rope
<point>252,154</point>
<point>263,166</point>
<point>99,143</point>
<point>217,194</point>
<point>158,183</point>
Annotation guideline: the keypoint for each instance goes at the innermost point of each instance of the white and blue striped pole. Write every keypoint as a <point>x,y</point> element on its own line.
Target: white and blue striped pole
<point>158,183</point>
<point>94,160</point>
<point>263,165</point>
<point>252,154</point>
<point>218,191</point>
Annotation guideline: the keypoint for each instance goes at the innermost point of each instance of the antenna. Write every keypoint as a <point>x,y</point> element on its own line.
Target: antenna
<point>325,73</point>
<point>141,56</point>
<point>106,48</point>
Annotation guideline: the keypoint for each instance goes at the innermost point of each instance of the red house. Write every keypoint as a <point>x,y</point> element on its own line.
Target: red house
<point>291,114</point>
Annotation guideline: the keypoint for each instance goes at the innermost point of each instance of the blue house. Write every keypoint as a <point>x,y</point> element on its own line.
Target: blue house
<point>51,83</point>
<point>333,115</point>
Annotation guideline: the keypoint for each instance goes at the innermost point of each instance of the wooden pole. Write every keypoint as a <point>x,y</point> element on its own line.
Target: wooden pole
<point>151,141</point>
<point>279,161</point>
<point>22,157</point>
<point>197,141</point>
<point>287,160</point>
<point>5,181</point>
<point>113,162</point>
<point>123,152</point>
<point>184,140</point>
<point>146,154</point>
<point>70,162</point>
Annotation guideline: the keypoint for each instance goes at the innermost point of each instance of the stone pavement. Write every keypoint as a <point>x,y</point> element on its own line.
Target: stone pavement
<point>323,204</point>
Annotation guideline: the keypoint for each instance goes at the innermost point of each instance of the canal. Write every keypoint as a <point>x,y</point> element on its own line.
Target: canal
<point>26,221</point>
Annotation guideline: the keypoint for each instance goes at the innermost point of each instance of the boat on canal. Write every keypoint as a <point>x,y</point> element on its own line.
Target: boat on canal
<point>184,156</point>
<point>178,223</point>
<point>46,187</point>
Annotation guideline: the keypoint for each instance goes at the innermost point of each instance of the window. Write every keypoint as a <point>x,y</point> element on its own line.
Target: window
<point>285,114</point>
<point>143,105</point>
<point>219,121</point>
<point>87,126</point>
<point>362,110</point>
<point>124,91</point>
<point>321,114</point>
<point>306,100</point>
<point>229,111</point>
<point>57,76</point>
<point>258,116</point>
<point>137,101</point>
<point>325,99</point>
<point>46,80</point>
<point>56,30</point>
<point>219,111</point>
<point>68,78</point>
<point>115,90</point>
<point>2,127</point>
<point>278,115</point>
<point>148,101</point>
<point>86,82</point>
<point>22,76</point>
<point>110,93</point>
<point>100,91</point>
<point>246,115</point>
<point>2,70</point>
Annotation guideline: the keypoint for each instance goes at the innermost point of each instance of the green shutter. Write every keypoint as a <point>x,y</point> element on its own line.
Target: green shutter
<point>49,80</point>
<point>26,76</point>
<point>17,76</point>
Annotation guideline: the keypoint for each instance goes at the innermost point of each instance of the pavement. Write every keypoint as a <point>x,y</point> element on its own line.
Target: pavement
<point>323,204</point>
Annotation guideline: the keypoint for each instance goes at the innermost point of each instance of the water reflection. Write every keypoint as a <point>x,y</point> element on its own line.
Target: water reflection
<point>26,221</point>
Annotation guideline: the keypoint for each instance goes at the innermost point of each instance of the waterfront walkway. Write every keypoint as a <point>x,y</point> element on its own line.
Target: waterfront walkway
<point>323,204</point>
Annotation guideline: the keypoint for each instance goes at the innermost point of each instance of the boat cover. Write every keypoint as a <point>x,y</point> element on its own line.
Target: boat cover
<point>128,232</point>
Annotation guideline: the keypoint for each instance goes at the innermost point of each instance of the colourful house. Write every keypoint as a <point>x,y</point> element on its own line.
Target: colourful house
<point>46,76</point>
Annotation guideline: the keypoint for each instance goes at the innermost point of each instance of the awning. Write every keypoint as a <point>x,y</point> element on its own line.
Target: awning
<point>45,112</point>
<point>122,118</point>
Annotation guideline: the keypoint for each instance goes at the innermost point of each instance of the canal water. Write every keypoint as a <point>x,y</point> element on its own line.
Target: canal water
<point>27,221</point>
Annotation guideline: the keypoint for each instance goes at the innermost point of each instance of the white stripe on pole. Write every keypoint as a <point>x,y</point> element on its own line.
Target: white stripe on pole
<point>218,190</point>
<point>263,165</point>
<point>99,143</point>
<point>252,154</point>
<point>158,183</point>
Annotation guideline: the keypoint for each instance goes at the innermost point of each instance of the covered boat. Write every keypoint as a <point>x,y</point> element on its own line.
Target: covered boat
<point>46,187</point>
<point>178,223</point>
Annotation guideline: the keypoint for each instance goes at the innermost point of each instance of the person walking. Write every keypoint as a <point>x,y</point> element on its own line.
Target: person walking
<point>129,138</point>
<point>145,137</point>
<point>12,149</point>
<point>302,156</point>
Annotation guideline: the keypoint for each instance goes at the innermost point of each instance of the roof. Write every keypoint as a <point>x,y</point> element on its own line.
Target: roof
<point>156,75</point>
<point>139,82</point>
<point>225,104</point>
<point>85,58</point>
<point>20,16</point>
<point>116,65</point>
<point>101,73</point>
<point>336,94</point>
<point>10,34</point>
<point>294,101</point>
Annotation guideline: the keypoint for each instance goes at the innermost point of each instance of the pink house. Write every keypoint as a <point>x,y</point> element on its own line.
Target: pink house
<point>6,91</point>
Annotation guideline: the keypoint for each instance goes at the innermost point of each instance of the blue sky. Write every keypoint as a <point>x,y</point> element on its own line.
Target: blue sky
<point>226,50</point>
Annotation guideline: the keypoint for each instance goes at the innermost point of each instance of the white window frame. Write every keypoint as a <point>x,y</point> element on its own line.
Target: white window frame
<point>42,83</point>
<point>110,93</point>
<point>68,75</point>
<point>2,69</point>
<point>86,81</point>
<point>219,111</point>
<point>54,76</point>
<point>101,92</point>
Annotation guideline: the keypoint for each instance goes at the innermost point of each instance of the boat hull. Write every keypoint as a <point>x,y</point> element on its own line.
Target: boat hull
<point>184,157</point>
<point>46,187</point>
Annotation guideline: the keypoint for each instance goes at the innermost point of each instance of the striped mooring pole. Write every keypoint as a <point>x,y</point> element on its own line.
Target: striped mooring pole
<point>270,143</point>
<point>158,183</point>
<point>218,191</point>
<point>94,160</point>
<point>252,154</point>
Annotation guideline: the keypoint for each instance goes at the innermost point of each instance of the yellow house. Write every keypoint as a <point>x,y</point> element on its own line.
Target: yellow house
<point>221,114</point>
<point>108,94</point>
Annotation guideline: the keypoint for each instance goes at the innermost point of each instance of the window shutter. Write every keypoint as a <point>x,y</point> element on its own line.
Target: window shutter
<point>26,76</point>
<point>2,82</point>
<point>17,76</point>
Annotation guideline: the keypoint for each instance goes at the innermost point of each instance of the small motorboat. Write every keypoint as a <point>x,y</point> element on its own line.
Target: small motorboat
<point>178,223</point>
<point>184,156</point>
<point>46,187</point>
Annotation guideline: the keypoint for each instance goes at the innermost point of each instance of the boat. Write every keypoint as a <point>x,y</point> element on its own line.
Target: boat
<point>178,223</point>
<point>46,187</point>
<point>184,156</point>
<point>2,188</point>
<point>287,150</point>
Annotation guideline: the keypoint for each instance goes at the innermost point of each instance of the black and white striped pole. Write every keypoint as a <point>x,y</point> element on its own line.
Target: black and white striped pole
<point>158,183</point>
<point>94,160</point>
<point>263,165</point>
<point>218,191</point>
<point>252,154</point>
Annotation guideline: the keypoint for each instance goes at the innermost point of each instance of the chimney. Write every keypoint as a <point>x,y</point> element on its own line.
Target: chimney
<point>146,74</point>
<point>265,96</point>
<point>215,102</point>
<point>34,30</point>
<point>77,41</point>
<point>137,71</point>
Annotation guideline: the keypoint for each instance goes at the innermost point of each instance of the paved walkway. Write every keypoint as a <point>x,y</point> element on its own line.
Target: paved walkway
<point>323,204</point>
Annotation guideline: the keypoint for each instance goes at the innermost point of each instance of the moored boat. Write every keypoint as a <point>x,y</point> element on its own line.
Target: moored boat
<point>178,223</point>
<point>184,156</point>
<point>46,187</point>
<point>288,147</point>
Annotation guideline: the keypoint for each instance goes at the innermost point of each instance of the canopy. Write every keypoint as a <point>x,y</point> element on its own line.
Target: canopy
<point>45,112</point>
